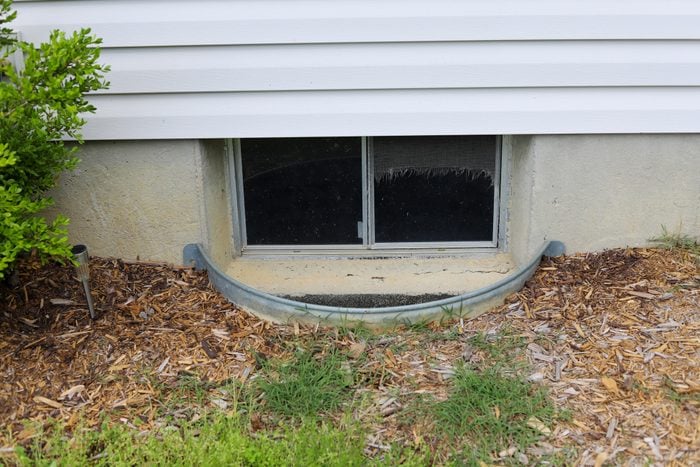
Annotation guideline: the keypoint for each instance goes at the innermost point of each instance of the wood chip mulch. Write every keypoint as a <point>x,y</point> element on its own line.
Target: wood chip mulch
<point>613,335</point>
<point>616,338</point>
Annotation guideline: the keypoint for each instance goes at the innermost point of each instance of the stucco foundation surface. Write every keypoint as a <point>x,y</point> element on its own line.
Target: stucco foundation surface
<point>217,210</point>
<point>604,191</point>
<point>148,199</point>
<point>406,276</point>
<point>133,199</point>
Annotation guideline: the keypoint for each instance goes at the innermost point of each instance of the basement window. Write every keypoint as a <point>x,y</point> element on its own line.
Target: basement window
<point>374,193</point>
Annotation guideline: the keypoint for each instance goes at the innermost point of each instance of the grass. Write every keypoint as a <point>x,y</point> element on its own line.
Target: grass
<point>190,386</point>
<point>489,412</point>
<point>679,397</point>
<point>299,411</point>
<point>490,408</point>
<point>358,331</point>
<point>212,441</point>
<point>307,385</point>
<point>677,240</point>
<point>500,349</point>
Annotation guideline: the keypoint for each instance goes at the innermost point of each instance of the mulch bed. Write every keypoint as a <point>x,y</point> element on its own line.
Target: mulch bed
<point>613,335</point>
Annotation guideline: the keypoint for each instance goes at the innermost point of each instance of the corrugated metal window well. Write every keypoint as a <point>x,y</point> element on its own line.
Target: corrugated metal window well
<point>357,193</point>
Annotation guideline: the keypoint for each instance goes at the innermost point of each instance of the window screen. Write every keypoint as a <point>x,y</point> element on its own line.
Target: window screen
<point>302,191</point>
<point>434,188</point>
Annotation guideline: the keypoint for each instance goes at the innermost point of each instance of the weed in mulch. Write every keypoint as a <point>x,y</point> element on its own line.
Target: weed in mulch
<point>306,386</point>
<point>493,416</point>
<point>677,241</point>
<point>501,348</point>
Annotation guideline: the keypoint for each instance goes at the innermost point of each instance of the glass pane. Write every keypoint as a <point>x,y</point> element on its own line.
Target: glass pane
<point>434,188</point>
<point>302,191</point>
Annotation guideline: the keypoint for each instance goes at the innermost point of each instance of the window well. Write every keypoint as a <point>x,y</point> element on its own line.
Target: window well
<point>357,193</point>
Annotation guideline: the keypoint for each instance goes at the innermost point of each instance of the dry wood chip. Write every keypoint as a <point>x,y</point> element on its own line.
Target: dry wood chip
<point>70,393</point>
<point>543,357</point>
<point>62,302</point>
<point>245,373</point>
<point>220,403</point>
<point>29,322</point>
<point>211,353</point>
<point>116,366</point>
<point>653,443</point>
<point>610,385</point>
<point>611,428</point>
<point>356,349</point>
<point>645,295</point>
<point>537,424</point>
<point>122,403</point>
<point>73,334</point>
<point>47,401</point>
<point>508,452</point>
<point>162,366</point>
<point>220,333</point>
<point>600,459</point>
<point>536,377</point>
<point>579,330</point>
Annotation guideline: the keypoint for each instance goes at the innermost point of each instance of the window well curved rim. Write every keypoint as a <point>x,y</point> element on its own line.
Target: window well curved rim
<point>283,309</point>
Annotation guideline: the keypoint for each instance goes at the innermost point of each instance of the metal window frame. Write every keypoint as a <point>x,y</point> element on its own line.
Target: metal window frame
<point>368,248</point>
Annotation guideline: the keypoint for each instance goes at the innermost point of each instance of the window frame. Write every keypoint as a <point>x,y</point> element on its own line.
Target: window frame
<point>368,247</point>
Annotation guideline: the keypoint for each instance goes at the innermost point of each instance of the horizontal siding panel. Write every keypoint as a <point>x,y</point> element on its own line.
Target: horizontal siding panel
<point>124,23</point>
<point>403,66</point>
<point>244,68</point>
<point>405,112</point>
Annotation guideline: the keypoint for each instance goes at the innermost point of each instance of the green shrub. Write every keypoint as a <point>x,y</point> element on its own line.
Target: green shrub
<point>40,106</point>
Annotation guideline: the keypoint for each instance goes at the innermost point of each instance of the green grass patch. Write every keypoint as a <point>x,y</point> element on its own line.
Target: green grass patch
<point>308,385</point>
<point>679,397</point>
<point>500,349</point>
<point>677,240</point>
<point>488,412</point>
<point>357,331</point>
<point>212,441</point>
<point>441,335</point>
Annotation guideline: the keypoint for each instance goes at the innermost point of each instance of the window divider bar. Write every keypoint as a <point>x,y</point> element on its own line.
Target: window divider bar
<point>365,197</point>
<point>369,180</point>
<point>497,189</point>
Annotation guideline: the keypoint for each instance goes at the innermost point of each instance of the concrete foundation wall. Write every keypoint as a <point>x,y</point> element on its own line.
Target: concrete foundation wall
<point>139,199</point>
<point>218,239</point>
<point>518,217</point>
<point>148,199</point>
<point>602,191</point>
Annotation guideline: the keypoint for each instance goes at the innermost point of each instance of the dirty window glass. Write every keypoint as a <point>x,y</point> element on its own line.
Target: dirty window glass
<point>434,188</point>
<point>302,191</point>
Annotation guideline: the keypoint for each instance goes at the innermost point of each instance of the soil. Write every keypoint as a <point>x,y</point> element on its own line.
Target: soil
<point>614,336</point>
<point>368,300</point>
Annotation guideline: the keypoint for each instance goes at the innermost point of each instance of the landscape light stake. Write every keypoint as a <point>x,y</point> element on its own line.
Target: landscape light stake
<point>82,268</point>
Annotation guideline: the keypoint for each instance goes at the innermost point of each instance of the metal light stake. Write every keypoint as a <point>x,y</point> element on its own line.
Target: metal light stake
<point>80,253</point>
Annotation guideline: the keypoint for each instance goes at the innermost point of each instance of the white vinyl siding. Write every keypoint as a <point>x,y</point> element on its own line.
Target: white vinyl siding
<point>216,69</point>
